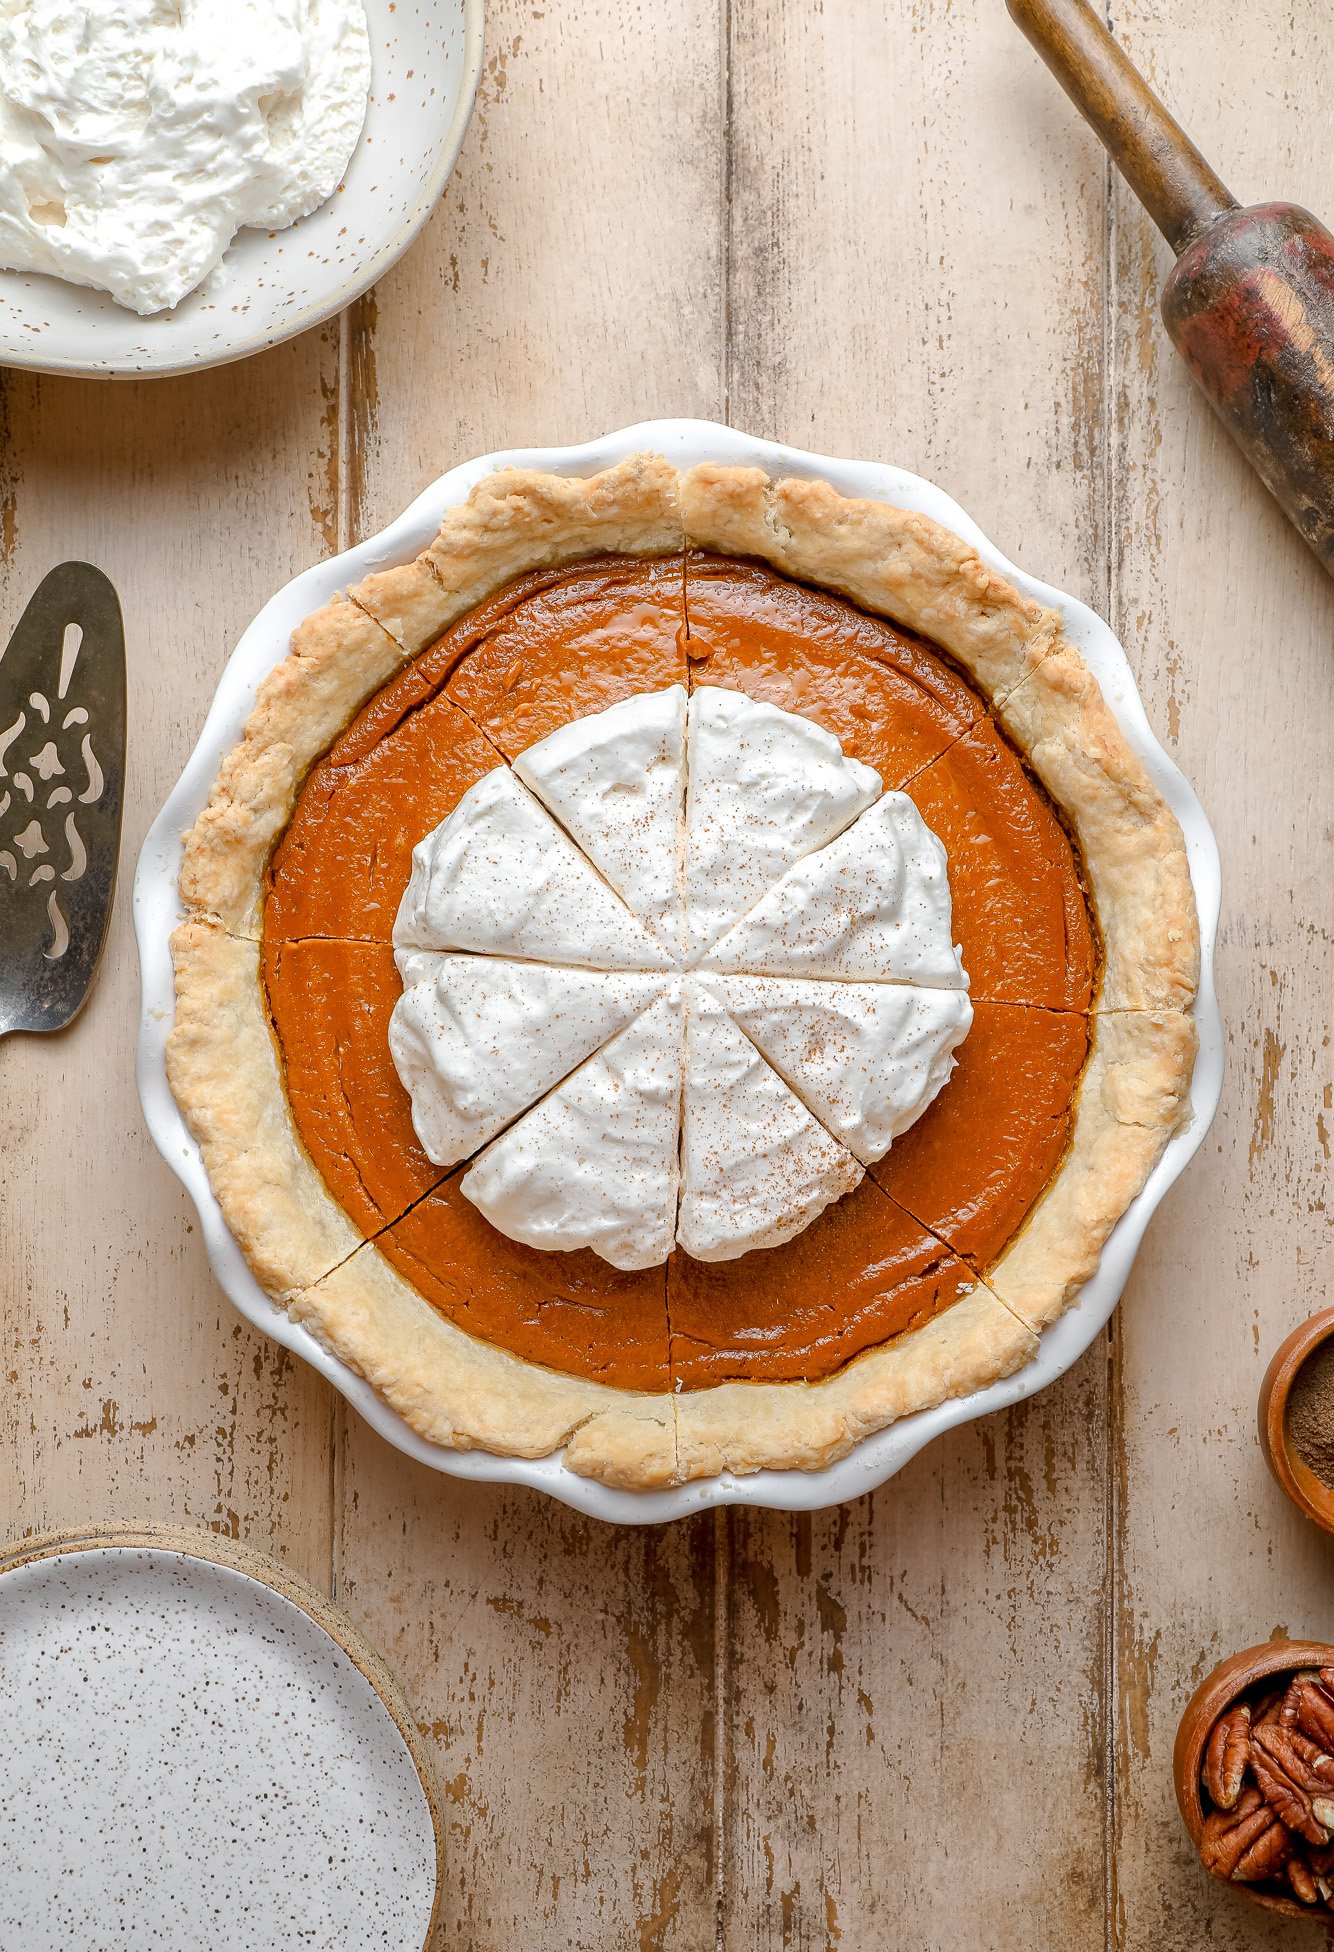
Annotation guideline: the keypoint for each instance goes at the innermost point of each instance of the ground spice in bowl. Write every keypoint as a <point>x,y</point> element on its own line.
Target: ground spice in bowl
<point>1309,1419</point>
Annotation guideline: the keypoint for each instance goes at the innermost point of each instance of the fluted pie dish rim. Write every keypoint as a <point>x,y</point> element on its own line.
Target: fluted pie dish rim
<point>1025,1337</point>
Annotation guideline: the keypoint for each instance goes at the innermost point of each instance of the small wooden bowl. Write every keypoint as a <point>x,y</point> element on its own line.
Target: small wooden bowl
<point>1302,1485</point>
<point>1216,1693</point>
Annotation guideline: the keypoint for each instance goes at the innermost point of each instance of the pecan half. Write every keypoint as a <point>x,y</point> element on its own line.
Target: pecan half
<point>1290,1783</point>
<point>1266,1856</point>
<point>1287,1714</point>
<point>1315,1710</point>
<point>1247,1843</point>
<point>1301,1880</point>
<point>1316,1762</point>
<point>1226,1756</point>
<point>1267,1709</point>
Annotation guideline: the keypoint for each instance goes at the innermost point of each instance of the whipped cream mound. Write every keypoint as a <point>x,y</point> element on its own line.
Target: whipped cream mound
<point>866,1058</point>
<point>683,971</point>
<point>616,781</point>
<point>499,877</point>
<point>596,1163</point>
<point>765,787</point>
<point>756,1167</point>
<point>138,136</point>
<point>476,1039</point>
<point>872,907</point>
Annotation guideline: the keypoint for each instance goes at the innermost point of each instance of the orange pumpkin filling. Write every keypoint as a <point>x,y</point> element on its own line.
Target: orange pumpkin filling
<point>978,1157</point>
<point>1019,912</point>
<point>860,1274</point>
<point>330,1003</point>
<point>887,697</point>
<point>559,644</point>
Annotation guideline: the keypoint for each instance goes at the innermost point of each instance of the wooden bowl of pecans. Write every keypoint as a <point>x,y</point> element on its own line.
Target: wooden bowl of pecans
<point>1254,1771</point>
<point>1297,1417</point>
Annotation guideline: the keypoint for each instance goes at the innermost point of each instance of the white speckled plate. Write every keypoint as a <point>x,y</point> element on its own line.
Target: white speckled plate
<point>196,1749</point>
<point>157,909</point>
<point>426,58</point>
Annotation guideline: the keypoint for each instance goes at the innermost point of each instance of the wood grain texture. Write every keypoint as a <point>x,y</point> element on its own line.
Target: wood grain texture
<point>876,311</point>
<point>1229,624</point>
<point>565,287</point>
<point>132,1389</point>
<point>943,1715</point>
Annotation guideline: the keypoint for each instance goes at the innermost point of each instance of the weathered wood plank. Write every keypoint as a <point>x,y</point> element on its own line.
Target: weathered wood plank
<point>567,284</point>
<point>564,1671</point>
<point>916,252</point>
<point>132,1389</point>
<point>914,1684</point>
<point>916,275</point>
<point>1230,625</point>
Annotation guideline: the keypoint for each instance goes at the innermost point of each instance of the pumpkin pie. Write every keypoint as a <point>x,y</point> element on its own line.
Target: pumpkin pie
<point>799,1260</point>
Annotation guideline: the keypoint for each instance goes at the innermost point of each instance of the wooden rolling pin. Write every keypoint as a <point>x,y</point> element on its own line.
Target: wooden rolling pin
<point>1250,301</point>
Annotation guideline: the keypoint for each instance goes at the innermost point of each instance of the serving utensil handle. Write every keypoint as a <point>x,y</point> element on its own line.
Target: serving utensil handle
<point>1250,301</point>
<point>1152,151</point>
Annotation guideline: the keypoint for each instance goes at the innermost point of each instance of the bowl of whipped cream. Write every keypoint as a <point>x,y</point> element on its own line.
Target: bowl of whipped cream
<point>185,182</point>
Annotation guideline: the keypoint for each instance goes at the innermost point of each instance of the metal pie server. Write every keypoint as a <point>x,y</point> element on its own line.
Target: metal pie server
<point>62,776</point>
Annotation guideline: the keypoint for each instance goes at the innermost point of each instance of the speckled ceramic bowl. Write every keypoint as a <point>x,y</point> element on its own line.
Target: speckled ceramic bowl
<point>426,59</point>
<point>157,908</point>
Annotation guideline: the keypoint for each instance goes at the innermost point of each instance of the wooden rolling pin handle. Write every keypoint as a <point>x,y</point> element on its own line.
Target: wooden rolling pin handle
<point>1250,307</point>
<point>1152,151</point>
<point>1250,301</point>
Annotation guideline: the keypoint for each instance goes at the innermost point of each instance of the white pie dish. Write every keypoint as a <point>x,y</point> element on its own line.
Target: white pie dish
<point>425,64</point>
<point>157,909</point>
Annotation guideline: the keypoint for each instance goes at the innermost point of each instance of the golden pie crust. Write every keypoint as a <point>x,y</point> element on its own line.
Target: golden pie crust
<point>226,1071</point>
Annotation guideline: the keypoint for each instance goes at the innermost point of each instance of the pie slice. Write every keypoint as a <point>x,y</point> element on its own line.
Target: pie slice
<point>885,695</point>
<point>596,1163</point>
<point>756,1167</point>
<point>616,783</point>
<point>866,1058</point>
<point>570,1312</point>
<point>977,1159</point>
<point>501,879</point>
<point>872,906</point>
<point>765,787</point>
<point>480,1039</point>
<point>861,1275</point>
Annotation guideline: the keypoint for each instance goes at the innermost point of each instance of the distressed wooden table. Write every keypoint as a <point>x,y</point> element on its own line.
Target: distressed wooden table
<point>942,1716</point>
